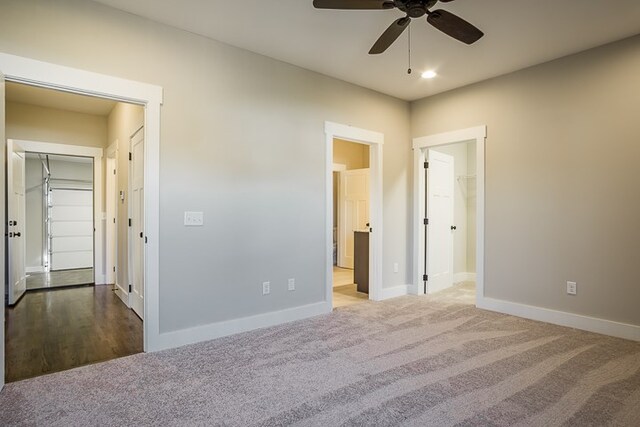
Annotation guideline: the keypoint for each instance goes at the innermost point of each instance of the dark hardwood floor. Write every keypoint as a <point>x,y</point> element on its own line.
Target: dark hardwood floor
<point>54,330</point>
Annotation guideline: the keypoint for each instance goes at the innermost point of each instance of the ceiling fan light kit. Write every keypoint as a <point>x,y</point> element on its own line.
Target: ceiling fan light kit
<point>445,21</point>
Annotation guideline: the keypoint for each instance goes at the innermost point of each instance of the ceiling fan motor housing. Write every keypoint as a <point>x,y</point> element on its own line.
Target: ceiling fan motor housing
<point>414,8</point>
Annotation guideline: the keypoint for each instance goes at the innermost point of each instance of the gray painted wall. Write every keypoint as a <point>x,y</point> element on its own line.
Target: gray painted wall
<point>562,193</point>
<point>243,141</point>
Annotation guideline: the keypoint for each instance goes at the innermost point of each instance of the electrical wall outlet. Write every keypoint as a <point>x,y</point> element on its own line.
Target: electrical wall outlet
<point>572,288</point>
<point>266,288</point>
<point>396,267</point>
<point>193,219</point>
<point>292,284</point>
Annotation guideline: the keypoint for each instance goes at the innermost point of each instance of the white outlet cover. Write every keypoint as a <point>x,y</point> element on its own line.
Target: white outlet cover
<point>572,288</point>
<point>194,219</point>
<point>292,284</point>
<point>266,288</point>
<point>395,267</point>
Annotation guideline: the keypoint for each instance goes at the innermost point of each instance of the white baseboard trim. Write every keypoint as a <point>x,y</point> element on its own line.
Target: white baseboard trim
<point>464,277</point>
<point>38,269</point>
<point>122,294</point>
<point>396,291</point>
<point>229,327</point>
<point>415,289</point>
<point>577,321</point>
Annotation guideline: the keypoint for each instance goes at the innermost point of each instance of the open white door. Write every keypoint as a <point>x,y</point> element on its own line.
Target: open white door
<point>353,213</point>
<point>111,226</point>
<point>137,237</point>
<point>440,214</point>
<point>2,224</point>
<point>17,279</point>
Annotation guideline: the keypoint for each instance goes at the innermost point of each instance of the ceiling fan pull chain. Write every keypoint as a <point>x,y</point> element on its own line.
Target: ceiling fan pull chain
<point>409,70</point>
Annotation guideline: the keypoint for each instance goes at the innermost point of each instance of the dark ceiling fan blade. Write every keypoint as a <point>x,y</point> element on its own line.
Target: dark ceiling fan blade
<point>454,26</point>
<point>352,4</point>
<point>390,35</point>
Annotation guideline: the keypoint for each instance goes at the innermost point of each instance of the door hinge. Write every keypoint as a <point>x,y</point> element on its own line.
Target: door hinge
<point>426,165</point>
<point>129,222</point>
<point>114,269</point>
<point>130,156</point>
<point>425,278</point>
<point>114,171</point>
<point>426,221</point>
<point>145,239</point>
<point>129,288</point>
<point>114,220</point>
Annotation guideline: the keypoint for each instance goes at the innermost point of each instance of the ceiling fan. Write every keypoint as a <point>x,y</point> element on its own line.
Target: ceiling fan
<point>447,22</point>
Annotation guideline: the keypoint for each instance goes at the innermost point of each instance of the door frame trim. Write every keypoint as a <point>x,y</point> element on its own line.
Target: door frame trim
<point>420,145</point>
<point>43,147</point>
<point>52,76</point>
<point>375,141</point>
<point>111,152</point>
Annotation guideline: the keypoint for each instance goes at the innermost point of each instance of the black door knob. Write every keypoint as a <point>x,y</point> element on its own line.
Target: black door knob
<point>453,227</point>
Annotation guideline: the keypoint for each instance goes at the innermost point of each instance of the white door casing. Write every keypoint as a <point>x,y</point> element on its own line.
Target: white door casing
<point>375,141</point>
<point>353,211</point>
<point>53,76</point>
<point>441,216</point>
<point>2,224</point>
<point>16,221</point>
<point>137,232</point>
<point>479,135</point>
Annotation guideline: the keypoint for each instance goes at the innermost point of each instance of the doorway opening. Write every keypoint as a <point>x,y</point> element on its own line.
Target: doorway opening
<point>451,197</point>
<point>59,221</point>
<point>351,200</point>
<point>361,228</point>
<point>449,215</point>
<point>60,198</point>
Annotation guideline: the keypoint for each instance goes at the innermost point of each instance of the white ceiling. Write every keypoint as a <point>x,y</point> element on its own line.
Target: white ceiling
<point>519,33</point>
<point>48,98</point>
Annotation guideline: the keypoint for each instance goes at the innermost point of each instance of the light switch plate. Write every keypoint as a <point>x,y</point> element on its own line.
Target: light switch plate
<point>193,219</point>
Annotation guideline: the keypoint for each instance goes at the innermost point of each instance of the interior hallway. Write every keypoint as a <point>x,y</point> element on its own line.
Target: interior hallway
<point>54,330</point>
<point>344,290</point>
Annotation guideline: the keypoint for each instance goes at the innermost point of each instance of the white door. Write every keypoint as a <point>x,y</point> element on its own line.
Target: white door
<point>353,213</point>
<point>136,241</point>
<point>440,213</point>
<point>2,223</point>
<point>111,232</point>
<point>16,221</point>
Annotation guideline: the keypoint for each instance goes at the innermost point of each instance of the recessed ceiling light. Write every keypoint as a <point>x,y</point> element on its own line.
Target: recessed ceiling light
<point>429,74</point>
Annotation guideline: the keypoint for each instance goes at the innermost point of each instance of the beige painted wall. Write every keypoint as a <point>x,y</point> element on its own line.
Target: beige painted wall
<point>36,123</point>
<point>242,139</point>
<point>562,199</point>
<point>350,154</point>
<point>123,121</point>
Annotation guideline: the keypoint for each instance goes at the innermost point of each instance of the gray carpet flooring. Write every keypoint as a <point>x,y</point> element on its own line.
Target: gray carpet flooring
<point>411,361</point>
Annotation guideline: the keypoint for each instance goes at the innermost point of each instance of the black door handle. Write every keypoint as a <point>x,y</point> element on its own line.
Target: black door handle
<point>453,227</point>
<point>17,234</point>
